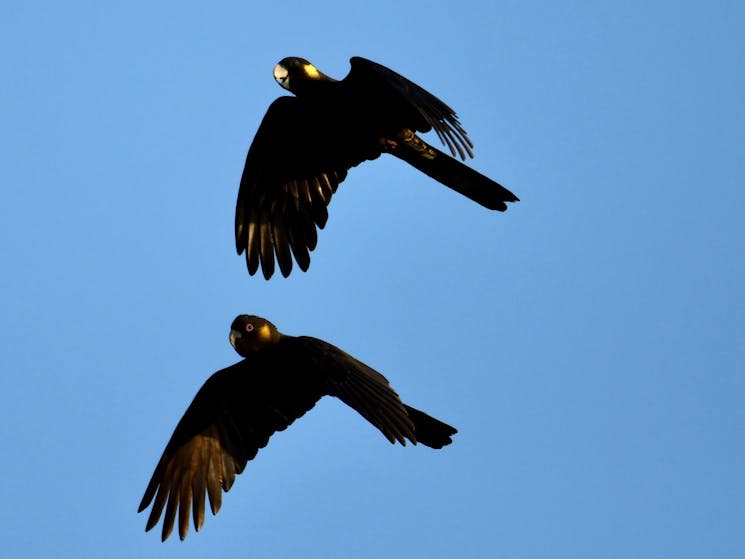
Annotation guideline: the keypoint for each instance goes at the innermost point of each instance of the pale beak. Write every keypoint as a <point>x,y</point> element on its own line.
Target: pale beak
<point>234,335</point>
<point>281,75</point>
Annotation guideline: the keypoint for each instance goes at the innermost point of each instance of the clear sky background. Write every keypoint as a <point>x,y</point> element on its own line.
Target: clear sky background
<point>589,344</point>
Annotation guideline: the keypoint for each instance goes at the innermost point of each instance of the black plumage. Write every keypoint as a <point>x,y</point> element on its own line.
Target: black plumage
<point>306,144</point>
<point>238,409</point>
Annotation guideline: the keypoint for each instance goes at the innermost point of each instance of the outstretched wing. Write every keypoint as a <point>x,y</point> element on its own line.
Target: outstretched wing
<point>425,110</point>
<point>293,167</point>
<point>231,418</point>
<point>361,388</point>
<point>367,391</point>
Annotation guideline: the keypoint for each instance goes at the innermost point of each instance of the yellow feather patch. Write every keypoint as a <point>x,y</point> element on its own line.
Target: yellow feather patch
<point>264,334</point>
<point>311,71</point>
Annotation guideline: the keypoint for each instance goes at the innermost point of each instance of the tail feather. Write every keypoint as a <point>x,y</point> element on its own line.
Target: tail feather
<point>452,173</point>
<point>429,431</point>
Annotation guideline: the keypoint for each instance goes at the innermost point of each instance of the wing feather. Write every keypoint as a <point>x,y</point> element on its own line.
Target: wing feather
<point>282,242</point>
<point>266,250</point>
<point>230,418</point>
<point>362,388</point>
<point>296,160</point>
<point>428,111</point>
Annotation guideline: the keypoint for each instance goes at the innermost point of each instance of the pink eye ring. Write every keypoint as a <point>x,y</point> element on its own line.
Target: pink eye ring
<point>249,327</point>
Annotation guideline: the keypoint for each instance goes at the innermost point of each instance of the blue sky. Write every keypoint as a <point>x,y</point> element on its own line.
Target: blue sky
<point>589,344</point>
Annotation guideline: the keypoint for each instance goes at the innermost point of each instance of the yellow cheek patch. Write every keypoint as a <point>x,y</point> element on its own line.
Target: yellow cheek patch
<point>311,71</point>
<point>264,334</point>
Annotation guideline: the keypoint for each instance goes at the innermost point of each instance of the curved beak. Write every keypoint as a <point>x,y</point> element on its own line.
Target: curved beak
<point>234,335</point>
<point>281,75</point>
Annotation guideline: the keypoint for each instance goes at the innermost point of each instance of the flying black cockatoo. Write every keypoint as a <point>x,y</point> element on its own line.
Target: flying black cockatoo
<point>306,144</point>
<point>236,411</point>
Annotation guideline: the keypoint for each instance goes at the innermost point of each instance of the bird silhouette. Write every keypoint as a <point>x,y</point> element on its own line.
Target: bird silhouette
<point>306,144</point>
<point>238,409</point>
